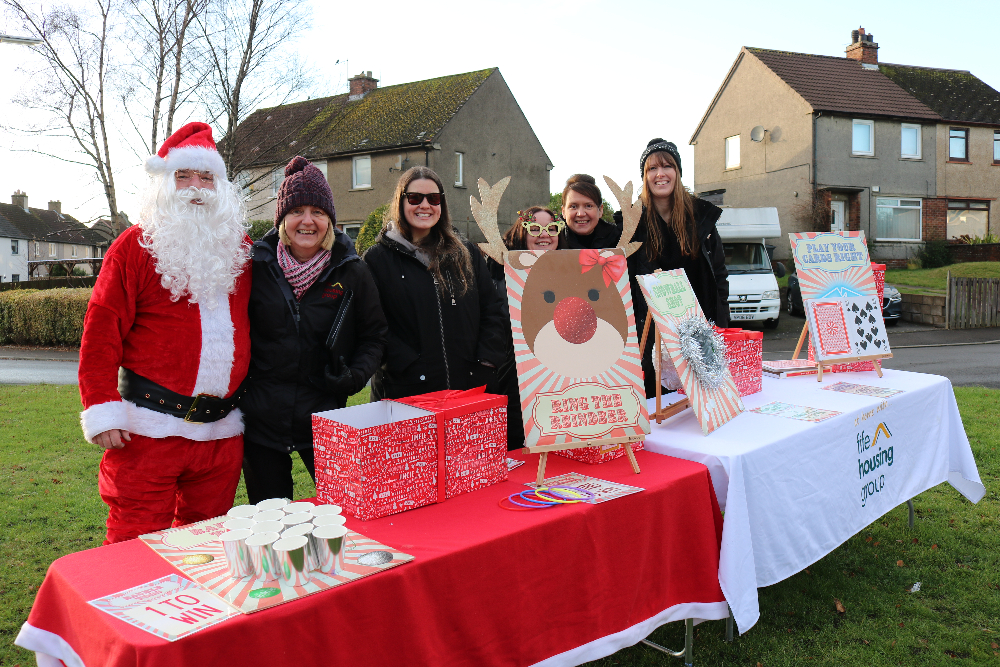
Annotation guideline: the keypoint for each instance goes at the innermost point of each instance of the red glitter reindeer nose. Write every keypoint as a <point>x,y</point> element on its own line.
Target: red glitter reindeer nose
<point>575,320</point>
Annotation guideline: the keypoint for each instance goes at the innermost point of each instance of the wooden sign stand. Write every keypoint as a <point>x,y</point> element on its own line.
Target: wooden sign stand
<point>544,450</point>
<point>661,412</point>
<point>874,358</point>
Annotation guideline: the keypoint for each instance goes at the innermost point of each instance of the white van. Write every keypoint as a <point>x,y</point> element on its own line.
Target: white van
<point>753,288</point>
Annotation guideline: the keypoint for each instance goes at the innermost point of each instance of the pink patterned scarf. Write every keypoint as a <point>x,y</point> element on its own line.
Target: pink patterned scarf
<point>301,276</point>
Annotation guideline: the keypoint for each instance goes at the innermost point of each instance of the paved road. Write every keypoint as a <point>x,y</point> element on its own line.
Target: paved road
<point>34,371</point>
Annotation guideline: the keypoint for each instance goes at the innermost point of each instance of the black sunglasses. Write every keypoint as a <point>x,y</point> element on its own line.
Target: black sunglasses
<point>414,198</point>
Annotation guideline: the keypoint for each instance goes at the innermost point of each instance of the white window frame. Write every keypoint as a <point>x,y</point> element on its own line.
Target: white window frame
<point>15,247</point>
<point>346,227</point>
<point>355,184</point>
<point>52,249</point>
<point>731,143</point>
<point>72,251</point>
<point>459,169</point>
<point>910,126</point>
<point>277,178</point>
<point>920,226</point>
<point>871,137</point>
<point>38,251</point>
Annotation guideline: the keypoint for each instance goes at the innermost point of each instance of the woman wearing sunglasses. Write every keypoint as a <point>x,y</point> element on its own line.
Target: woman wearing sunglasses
<point>446,324</point>
<point>677,232</point>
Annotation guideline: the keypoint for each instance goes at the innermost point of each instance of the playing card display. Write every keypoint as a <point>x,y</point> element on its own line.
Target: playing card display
<point>847,327</point>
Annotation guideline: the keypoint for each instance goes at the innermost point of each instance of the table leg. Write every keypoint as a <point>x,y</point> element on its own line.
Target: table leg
<point>909,505</point>
<point>729,626</point>
<point>687,652</point>
<point>541,468</point>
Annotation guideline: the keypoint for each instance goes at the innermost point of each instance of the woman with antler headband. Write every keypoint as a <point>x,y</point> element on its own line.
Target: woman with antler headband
<point>677,231</point>
<point>446,323</point>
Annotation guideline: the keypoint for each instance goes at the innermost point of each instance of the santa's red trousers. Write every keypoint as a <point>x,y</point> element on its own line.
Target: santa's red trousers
<point>154,483</point>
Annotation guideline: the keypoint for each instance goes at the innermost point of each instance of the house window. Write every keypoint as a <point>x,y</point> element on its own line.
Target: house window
<point>733,152</point>
<point>245,180</point>
<point>277,178</point>
<point>362,172</point>
<point>996,147</point>
<point>909,141</point>
<point>968,218</point>
<point>958,144</point>
<point>863,137</point>
<point>897,219</point>
<point>15,247</point>
<point>72,251</point>
<point>37,251</point>
<point>52,250</point>
<point>15,277</point>
<point>352,229</point>
<point>459,168</point>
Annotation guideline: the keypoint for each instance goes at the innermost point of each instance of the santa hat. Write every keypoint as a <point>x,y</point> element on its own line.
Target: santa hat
<point>190,147</point>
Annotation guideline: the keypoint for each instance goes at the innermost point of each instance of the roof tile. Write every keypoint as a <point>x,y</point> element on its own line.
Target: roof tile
<point>956,95</point>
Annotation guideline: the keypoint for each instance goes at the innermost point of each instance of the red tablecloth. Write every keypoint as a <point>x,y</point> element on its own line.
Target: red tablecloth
<point>487,586</point>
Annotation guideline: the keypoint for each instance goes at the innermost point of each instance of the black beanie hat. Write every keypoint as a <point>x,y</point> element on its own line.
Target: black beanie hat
<point>304,185</point>
<point>655,146</point>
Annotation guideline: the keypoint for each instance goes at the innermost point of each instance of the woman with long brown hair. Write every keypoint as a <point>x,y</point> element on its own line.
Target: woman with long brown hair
<point>677,231</point>
<point>446,323</point>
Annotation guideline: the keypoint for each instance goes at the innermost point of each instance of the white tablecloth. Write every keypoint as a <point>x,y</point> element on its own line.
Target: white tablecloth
<point>792,490</point>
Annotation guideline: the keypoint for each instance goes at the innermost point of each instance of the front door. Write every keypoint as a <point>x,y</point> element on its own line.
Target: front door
<point>837,216</point>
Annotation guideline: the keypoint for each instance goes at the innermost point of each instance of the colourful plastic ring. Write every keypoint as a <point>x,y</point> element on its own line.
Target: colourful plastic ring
<point>539,501</point>
<point>535,506</point>
<point>588,495</point>
<point>554,499</point>
<point>513,509</point>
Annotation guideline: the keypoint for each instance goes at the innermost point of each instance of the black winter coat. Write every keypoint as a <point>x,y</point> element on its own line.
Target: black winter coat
<point>286,379</point>
<point>711,285</point>
<point>435,341</point>
<point>605,235</point>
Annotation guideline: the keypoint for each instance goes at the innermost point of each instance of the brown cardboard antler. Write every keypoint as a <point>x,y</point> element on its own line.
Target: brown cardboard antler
<point>485,214</point>
<point>631,213</point>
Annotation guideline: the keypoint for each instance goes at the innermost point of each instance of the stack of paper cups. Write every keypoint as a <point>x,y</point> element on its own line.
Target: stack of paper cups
<point>242,512</point>
<point>291,561</point>
<point>327,545</point>
<point>271,504</point>
<point>262,555</point>
<point>329,520</point>
<point>237,553</point>
<point>292,508</point>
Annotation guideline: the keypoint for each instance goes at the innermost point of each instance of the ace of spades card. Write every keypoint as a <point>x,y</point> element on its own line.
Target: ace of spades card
<point>847,328</point>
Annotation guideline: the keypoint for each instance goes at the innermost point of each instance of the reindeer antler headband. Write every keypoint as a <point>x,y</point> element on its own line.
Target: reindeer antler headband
<point>485,214</point>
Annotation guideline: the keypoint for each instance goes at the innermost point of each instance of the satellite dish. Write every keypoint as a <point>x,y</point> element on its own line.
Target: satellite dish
<point>757,134</point>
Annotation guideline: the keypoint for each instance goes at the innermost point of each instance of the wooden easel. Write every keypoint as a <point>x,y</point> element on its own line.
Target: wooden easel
<point>544,450</point>
<point>874,358</point>
<point>661,412</point>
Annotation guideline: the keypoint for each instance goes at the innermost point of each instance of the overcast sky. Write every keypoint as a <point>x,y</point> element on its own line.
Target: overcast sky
<point>596,80</point>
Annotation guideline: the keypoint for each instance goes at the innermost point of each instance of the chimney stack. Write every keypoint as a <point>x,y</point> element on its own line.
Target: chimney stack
<point>56,206</point>
<point>863,47</point>
<point>19,199</point>
<point>361,85</point>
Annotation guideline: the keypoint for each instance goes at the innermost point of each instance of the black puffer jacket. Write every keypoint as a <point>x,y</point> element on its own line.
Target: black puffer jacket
<point>711,285</point>
<point>435,342</point>
<point>605,235</point>
<point>287,384</point>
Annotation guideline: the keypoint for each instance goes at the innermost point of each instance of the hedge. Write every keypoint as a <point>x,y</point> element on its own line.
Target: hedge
<point>52,317</point>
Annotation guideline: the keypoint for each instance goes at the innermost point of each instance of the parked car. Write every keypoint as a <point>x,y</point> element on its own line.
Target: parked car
<point>892,301</point>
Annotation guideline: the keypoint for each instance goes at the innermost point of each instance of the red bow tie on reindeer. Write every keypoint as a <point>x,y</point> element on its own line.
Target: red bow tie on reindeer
<point>612,266</point>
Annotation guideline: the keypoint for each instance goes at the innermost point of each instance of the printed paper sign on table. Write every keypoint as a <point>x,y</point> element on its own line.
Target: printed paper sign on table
<point>196,551</point>
<point>847,327</point>
<point>575,343</point>
<point>832,264</point>
<point>672,301</point>
<point>170,607</point>
<point>602,489</point>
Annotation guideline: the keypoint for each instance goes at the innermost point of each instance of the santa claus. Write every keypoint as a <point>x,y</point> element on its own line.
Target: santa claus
<point>165,346</point>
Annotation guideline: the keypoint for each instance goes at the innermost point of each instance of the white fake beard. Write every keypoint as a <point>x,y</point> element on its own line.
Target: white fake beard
<point>200,250</point>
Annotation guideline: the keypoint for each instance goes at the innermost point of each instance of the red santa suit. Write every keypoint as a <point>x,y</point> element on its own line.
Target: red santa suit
<point>172,471</point>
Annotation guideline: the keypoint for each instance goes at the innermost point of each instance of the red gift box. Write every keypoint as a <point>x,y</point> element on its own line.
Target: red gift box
<point>383,458</point>
<point>598,453</point>
<point>879,272</point>
<point>744,353</point>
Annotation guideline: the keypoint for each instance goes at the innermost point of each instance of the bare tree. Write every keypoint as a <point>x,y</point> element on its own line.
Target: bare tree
<point>163,28</point>
<point>246,45</point>
<point>75,82</point>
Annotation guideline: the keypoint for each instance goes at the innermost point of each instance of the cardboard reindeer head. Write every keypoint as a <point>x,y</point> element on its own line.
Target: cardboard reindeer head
<point>574,331</point>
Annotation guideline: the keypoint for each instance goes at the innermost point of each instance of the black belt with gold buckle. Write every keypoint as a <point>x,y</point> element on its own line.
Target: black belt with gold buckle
<point>200,409</point>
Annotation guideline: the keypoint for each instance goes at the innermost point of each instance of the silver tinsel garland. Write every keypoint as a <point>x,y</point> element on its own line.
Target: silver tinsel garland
<point>704,350</point>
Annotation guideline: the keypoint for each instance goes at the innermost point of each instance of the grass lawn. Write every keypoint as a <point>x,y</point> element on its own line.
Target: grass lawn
<point>938,278</point>
<point>49,507</point>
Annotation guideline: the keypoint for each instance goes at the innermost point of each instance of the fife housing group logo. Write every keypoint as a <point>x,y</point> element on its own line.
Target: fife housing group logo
<point>872,456</point>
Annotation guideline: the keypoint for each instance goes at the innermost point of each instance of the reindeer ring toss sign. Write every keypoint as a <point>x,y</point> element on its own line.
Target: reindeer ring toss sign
<point>575,343</point>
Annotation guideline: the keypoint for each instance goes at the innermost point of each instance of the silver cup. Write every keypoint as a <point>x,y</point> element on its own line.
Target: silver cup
<point>329,520</point>
<point>327,546</point>
<point>267,527</point>
<point>298,517</point>
<point>237,524</point>
<point>242,512</point>
<point>323,510</point>
<point>292,508</point>
<point>271,504</point>
<point>269,515</point>
<point>262,555</point>
<point>237,553</point>
<point>291,560</point>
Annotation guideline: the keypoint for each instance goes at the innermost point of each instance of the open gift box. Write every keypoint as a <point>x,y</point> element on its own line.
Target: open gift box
<point>387,457</point>
<point>744,354</point>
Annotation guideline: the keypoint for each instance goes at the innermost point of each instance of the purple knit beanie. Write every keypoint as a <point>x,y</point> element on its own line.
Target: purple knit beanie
<point>304,185</point>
